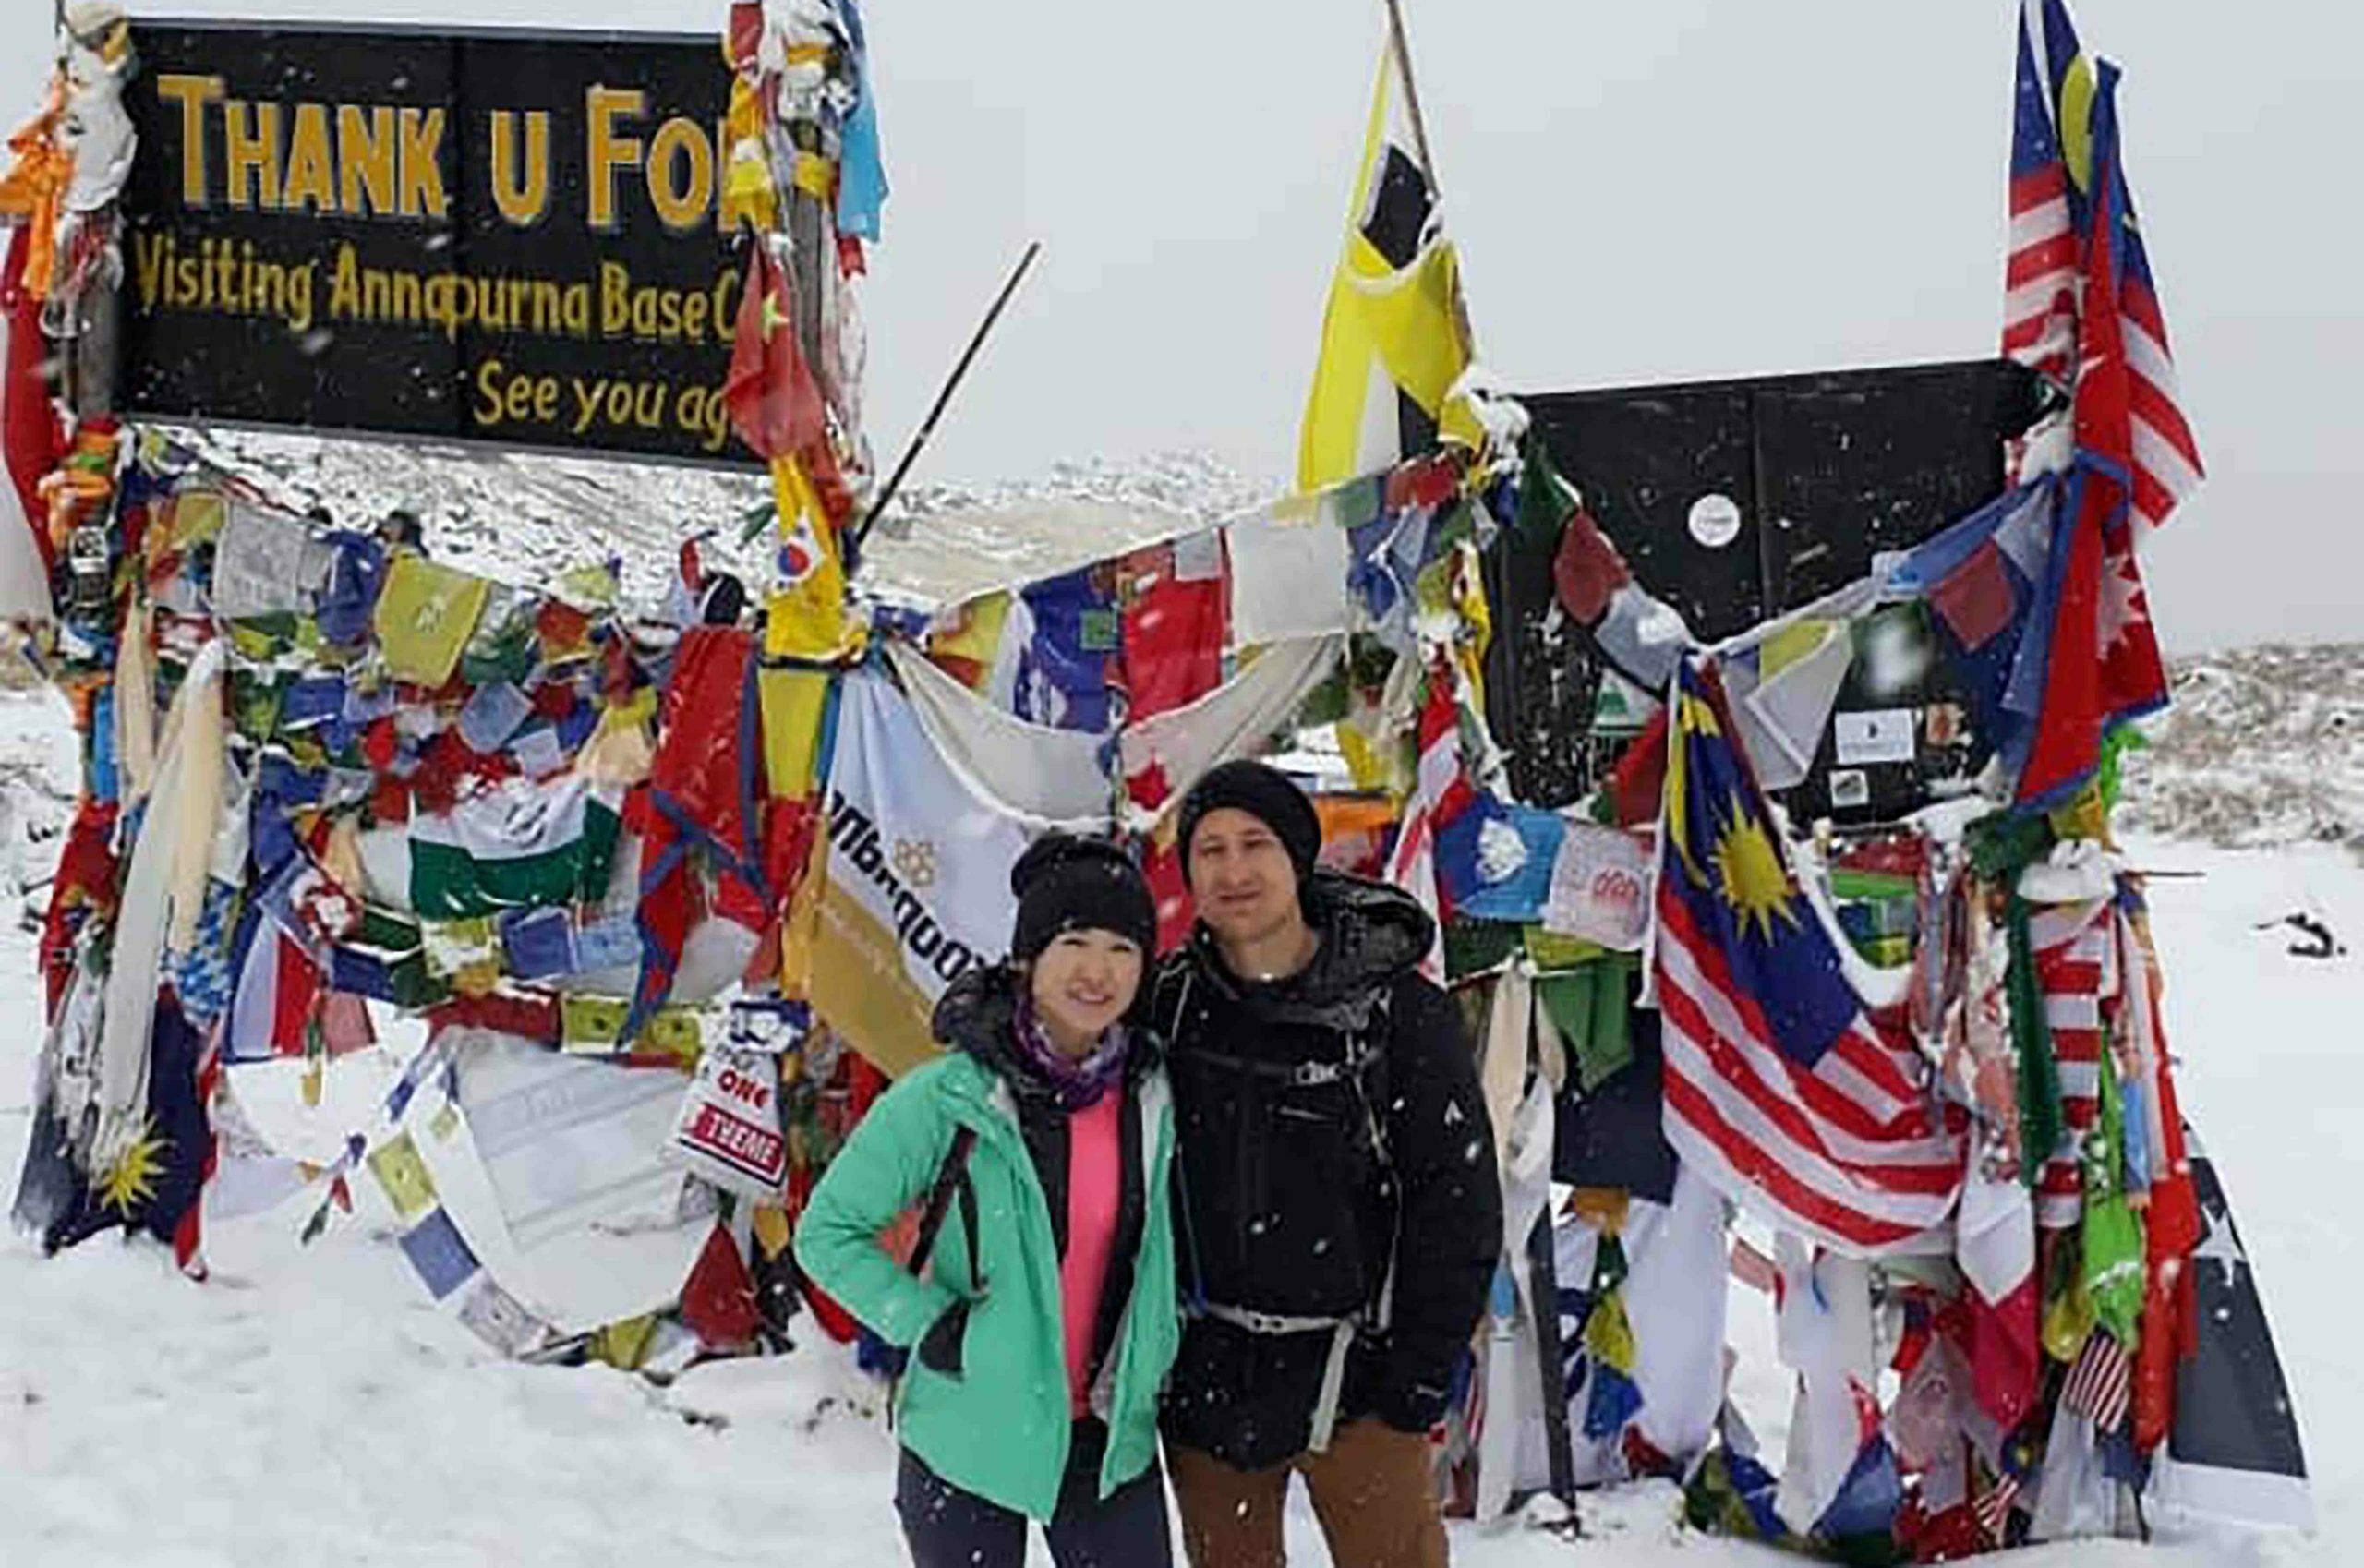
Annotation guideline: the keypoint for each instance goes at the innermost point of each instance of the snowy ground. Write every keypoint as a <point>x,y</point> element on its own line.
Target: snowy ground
<point>311,1405</point>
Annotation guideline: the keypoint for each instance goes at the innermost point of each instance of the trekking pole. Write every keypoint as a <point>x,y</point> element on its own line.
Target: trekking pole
<point>952,384</point>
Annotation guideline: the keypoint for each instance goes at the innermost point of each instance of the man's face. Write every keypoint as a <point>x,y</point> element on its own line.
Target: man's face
<point>1241,877</point>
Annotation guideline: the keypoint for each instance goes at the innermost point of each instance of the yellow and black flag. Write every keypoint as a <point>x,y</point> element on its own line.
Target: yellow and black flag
<point>1395,337</point>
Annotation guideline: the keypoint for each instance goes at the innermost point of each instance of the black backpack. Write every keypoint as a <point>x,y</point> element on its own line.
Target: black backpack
<point>1309,1124</point>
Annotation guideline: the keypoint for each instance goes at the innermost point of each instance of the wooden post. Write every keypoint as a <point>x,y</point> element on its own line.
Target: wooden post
<point>1411,95</point>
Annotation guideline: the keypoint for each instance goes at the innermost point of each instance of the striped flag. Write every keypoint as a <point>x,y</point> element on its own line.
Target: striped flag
<point>1994,1508</point>
<point>2101,1385</point>
<point>2072,218</point>
<point>1440,793</point>
<point>1779,1088</point>
<point>2074,964</point>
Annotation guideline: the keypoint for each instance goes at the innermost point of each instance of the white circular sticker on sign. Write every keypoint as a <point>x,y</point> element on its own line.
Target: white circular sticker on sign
<point>1715,520</point>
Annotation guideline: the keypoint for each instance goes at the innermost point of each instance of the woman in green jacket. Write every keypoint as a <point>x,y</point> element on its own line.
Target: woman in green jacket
<point>1047,1318</point>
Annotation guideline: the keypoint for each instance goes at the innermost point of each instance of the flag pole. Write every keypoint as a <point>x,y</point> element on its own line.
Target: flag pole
<point>951,385</point>
<point>1411,93</point>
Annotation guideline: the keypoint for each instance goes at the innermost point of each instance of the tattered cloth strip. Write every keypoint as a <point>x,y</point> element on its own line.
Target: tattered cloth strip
<point>1288,573</point>
<point>154,1181</point>
<point>163,892</point>
<point>1995,1245</point>
<point>32,440</point>
<point>1825,1330</point>
<point>704,797</point>
<point>1161,757</point>
<point>1046,774</point>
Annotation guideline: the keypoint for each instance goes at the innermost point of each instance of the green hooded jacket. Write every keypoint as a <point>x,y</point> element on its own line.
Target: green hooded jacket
<point>1000,1428</point>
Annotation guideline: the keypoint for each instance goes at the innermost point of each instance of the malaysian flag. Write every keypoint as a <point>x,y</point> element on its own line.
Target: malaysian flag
<point>1778,1089</point>
<point>2069,210</point>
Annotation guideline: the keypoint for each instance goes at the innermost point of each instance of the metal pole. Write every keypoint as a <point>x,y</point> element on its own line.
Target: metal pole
<point>1411,95</point>
<point>951,385</point>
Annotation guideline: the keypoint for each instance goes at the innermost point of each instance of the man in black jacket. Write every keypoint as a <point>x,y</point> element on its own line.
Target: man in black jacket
<point>1340,1213</point>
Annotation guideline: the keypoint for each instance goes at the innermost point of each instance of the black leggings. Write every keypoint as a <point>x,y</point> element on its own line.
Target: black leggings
<point>946,1528</point>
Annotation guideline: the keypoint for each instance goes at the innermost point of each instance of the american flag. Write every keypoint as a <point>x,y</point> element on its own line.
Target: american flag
<point>1778,1089</point>
<point>1995,1507</point>
<point>2061,183</point>
<point>2101,1385</point>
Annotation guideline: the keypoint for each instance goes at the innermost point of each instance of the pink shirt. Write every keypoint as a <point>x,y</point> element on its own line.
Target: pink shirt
<point>1095,1183</point>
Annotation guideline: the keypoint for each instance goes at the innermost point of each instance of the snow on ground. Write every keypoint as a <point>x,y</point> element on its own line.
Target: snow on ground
<point>308,1403</point>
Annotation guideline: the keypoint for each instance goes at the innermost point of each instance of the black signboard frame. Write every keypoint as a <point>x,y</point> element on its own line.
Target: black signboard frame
<point>1824,469</point>
<point>557,352</point>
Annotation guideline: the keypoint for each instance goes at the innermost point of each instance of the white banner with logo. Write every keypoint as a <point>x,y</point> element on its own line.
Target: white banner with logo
<point>916,890</point>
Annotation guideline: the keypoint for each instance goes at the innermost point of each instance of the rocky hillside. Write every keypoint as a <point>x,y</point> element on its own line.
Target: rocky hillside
<point>523,518</point>
<point>2264,745</point>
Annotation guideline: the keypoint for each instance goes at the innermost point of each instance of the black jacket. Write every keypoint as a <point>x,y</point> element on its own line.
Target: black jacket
<point>978,1015</point>
<point>1297,1183</point>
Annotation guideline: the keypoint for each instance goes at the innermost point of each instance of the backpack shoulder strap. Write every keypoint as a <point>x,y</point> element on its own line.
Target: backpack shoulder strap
<point>950,1177</point>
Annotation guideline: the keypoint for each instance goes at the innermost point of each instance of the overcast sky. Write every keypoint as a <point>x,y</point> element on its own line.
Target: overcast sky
<point>1673,190</point>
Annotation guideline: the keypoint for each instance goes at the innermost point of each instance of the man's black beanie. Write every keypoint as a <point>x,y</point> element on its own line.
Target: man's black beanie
<point>1065,884</point>
<point>1264,793</point>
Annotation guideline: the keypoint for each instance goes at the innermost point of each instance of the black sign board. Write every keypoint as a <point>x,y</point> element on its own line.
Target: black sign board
<point>1736,502</point>
<point>488,235</point>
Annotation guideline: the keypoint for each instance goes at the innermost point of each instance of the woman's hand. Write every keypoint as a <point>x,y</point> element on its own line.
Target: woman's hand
<point>940,1347</point>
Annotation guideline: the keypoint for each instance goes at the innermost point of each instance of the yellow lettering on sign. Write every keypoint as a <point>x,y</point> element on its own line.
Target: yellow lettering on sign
<point>250,146</point>
<point>365,157</point>
<point>192,93</point>
<point>522,198</point>
<point>683,204</point>
<point>311,184</point>
<point>422,164</point>
<point>610,150</point>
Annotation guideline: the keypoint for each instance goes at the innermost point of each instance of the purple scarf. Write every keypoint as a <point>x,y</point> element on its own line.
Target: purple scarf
<point>1076,1082</point>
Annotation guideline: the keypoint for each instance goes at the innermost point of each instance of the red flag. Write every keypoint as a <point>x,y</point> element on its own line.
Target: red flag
<point>775,403</point>
<point>30,437</point>
<point>2102,663</point>
<point>718,1298</point>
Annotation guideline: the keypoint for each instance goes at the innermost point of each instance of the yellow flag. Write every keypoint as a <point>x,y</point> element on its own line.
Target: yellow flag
<point>1396,331</point>
<point>807,615</point>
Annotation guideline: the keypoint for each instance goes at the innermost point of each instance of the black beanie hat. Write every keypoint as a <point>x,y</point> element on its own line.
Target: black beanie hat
<point>1065,884</point>
<point>1263,792</point>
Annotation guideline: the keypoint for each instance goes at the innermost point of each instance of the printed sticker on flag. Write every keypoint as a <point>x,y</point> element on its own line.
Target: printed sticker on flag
<point>1601,887</point>
<point>730,1128</point>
